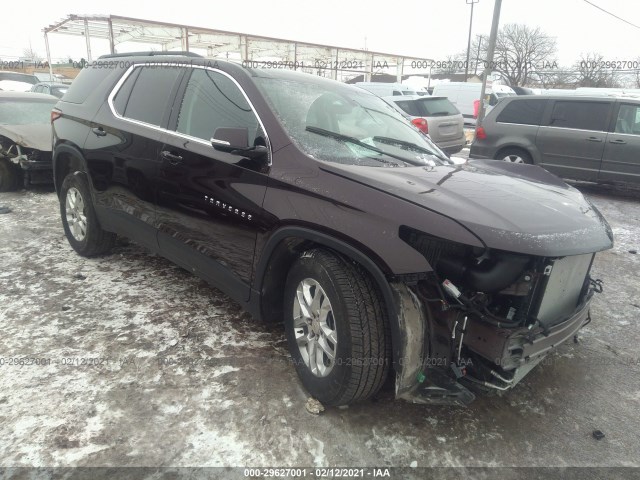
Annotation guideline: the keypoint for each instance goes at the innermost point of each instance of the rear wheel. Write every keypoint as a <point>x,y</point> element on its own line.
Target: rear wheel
<point>9,176</point>
<point>79,218</point>
<point>514,155</point>
<point>336,328</point>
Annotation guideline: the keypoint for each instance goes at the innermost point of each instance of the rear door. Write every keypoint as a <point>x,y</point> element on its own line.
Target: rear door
<point>123,146</point>
<point>209,202</point>
<point>621,159</point>
<point>571,141</point>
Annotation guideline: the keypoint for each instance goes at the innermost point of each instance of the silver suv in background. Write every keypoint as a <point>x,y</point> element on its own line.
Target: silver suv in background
<point>436,116</point>
<point>594,139</point>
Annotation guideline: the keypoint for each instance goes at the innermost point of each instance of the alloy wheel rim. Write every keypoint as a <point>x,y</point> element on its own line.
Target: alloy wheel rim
<point>513,159</point>
<point>315,328</point>
<point>76,218</point>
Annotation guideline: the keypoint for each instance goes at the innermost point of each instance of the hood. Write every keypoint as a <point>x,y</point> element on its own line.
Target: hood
<point>512,207</point>
<point>36,136</point>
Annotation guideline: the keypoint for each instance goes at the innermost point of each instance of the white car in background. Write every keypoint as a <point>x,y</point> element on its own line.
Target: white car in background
<point>17,82</point>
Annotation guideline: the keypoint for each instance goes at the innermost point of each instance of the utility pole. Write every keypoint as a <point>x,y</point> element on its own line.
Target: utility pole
<point>489,65</point>
<point>466,65</point>
<point>475,70</point>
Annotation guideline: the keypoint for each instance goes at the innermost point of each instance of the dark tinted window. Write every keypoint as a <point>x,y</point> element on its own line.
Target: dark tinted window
<point>121,98</point>
<point>409,106</point>
<point>580,114</point>
<point>524,112</point>
<point>151,92</point>
<point>88,81</point>
<point>437,107</point>
<point>212,100</point>
<point>59,91</point>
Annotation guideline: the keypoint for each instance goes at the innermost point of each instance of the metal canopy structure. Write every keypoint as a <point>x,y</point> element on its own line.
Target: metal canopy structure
<point>325,60</point>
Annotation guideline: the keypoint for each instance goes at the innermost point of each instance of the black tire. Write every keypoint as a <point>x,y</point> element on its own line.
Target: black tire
<point>515,153</point>
<point>96,241</point>
<point>9,176</point>
<point>359,320</point>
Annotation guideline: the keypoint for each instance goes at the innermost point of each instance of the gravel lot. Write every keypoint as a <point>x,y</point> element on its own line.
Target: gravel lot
<point>143,364</point>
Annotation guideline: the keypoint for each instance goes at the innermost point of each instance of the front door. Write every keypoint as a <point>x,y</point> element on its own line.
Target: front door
<point>210,201</point>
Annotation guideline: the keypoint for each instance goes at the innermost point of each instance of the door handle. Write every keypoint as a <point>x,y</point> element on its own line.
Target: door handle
<point>99,131</point>
<point>617,141</point>
<point>173,159</point>
<point>594,139</point>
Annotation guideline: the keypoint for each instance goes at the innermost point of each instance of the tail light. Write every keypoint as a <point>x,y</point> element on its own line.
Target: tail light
<point>480,133</point>
<point>55,114</point>
<point>476,108</point>
<point>421,123</point>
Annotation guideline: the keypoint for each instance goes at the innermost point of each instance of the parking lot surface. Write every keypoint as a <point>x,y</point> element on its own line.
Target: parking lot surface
<point>127,360</point>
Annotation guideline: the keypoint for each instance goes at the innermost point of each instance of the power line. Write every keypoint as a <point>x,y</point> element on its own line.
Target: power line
<point>612,14</point>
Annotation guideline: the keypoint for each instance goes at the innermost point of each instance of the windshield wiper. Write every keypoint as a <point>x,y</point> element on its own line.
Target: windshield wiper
<point>347,138</point>
<point>404,143</point>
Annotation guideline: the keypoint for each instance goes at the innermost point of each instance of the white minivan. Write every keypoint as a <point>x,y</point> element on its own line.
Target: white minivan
<point>386,89</point>
<point>466,97</point>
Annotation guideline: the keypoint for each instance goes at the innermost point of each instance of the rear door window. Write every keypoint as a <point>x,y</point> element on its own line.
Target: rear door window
<point>523,112</point>
<point>580,115</point>
<point>151,92</point>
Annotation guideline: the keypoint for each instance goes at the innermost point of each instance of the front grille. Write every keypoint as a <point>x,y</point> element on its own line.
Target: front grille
<point>563,288</point>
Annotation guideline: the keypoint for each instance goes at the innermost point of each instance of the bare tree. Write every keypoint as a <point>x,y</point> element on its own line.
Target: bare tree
<point>555,78</point>
<point>522,51</point>
<point>592,71</point>
<point>633,77</point>
<point>31,55</point>
<point>452,64</point>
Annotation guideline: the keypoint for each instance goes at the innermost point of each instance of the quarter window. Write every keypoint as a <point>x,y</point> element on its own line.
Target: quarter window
<point>212,100</point>
<point>580,115</point>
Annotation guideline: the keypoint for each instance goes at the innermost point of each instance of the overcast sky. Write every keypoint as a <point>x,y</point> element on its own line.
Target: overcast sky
<point>426,28</point>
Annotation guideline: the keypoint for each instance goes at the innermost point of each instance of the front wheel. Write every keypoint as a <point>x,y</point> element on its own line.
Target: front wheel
<point>79,218</point>
<point>336,328</point>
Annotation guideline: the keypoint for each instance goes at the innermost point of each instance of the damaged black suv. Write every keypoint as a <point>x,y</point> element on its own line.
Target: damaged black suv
<point>314,203</point>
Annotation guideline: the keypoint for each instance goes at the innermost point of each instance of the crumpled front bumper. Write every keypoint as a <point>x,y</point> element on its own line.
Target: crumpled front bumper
<point>425,375</point>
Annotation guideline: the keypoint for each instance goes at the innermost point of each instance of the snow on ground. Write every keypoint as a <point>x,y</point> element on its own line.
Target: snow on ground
<point>127,360</point>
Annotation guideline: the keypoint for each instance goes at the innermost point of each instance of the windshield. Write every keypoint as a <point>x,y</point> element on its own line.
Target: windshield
<point>25,113</point>
<point>336,123</point>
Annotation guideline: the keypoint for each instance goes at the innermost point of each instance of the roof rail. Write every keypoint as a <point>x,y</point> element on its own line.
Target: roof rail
<point>151,53</point>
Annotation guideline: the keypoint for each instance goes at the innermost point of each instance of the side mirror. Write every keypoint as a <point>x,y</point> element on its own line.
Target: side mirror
<point>227,139</point>
<point>235,140</point>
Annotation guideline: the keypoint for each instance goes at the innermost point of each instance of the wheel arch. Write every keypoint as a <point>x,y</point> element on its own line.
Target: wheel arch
<point>66,158</point>
<point>529,150</point>
<point>284,247</point>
